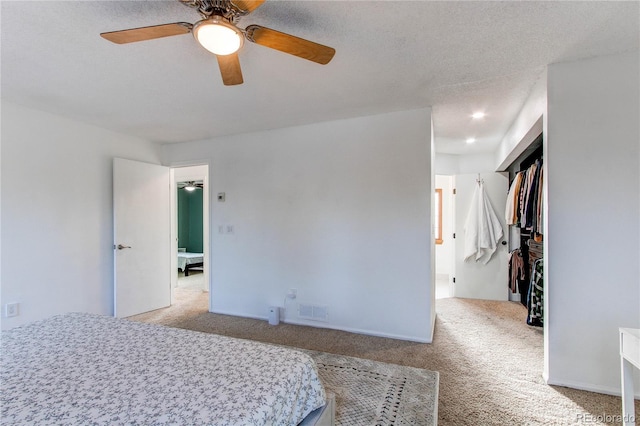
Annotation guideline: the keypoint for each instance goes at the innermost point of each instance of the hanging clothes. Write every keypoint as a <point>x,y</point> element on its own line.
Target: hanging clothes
<point>482,228</point>
<point>525,199</point>
<point>517,270</point>
<point>536,295</point>
<point>538,225</point>
<point>524,209</point>
<point>530,202</point>
<point>513,198</point>
<point>526,181</point>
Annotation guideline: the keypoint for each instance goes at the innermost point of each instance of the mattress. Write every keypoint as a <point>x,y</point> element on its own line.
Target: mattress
<point>185,258</point>
<point>91,369</point>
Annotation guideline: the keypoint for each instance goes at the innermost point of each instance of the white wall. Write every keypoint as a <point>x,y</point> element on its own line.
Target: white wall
<point>57,226</point>
<point>591,245</point>
<point>476,163</point>
<point>446,164</point>
<point>432,250</point>
<point>452,164</point>
<point>338,210</point>
<point>526,127</point>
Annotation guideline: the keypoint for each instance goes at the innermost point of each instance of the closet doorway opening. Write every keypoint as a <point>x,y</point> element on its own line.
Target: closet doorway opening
<point>189,233</point>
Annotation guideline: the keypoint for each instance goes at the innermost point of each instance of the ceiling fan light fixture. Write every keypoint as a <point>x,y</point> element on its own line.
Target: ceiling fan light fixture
<point>218,36</point>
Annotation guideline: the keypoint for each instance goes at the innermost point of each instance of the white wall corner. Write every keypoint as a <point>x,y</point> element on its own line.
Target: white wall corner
<point>432,245</point>
<point>65,220</point>
<point>527,125</point>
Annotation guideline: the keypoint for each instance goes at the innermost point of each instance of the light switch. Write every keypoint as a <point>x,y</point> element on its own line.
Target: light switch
<point>220,229</point>
<point>221,197</point>
<point>229,229</point>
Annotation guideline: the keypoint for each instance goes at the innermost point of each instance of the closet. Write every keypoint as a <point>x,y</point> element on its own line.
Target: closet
<point>523,214</point>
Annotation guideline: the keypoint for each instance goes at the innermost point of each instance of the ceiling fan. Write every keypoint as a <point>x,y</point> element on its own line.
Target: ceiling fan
<point>191,185</point>
<point>217,32</point>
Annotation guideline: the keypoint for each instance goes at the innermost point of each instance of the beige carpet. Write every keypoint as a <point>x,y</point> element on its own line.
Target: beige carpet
<point>489,360</point>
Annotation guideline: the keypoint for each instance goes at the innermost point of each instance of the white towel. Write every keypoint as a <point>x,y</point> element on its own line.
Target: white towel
<point>482,228</point>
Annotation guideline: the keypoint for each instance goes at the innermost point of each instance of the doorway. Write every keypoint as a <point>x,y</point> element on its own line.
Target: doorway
<point>444,237</point>
<point>456,277</point>
<point>189,231</point>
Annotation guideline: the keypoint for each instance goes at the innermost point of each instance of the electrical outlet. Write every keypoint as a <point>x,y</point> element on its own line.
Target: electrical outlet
<point>293,293</point>
<point>11,309</point>
<point>229,229</point>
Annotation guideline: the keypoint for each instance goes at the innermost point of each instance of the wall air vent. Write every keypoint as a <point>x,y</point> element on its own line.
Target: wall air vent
<point>313,312</point>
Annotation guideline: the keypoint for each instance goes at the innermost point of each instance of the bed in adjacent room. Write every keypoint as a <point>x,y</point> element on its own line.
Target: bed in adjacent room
<point>91,369</point>
<point>188,261</point>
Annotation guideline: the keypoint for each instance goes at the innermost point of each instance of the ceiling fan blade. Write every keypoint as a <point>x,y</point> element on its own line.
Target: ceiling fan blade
<point>247,5</point>
<point>147,33</point>
<point>230,69</point>
<point>290,44</point>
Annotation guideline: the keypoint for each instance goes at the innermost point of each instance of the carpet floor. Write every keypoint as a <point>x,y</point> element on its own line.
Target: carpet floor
<point>490,362</point>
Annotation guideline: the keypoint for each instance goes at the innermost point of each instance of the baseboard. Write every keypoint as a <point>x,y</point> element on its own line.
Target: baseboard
<point>329,326</point>
<point>360,331</point>
<point>607,390</point>
<point>437,399</point>
<point>434,316</point>
<point>236,314</point>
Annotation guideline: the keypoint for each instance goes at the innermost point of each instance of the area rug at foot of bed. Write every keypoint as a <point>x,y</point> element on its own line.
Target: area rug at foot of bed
<point>375,393</point>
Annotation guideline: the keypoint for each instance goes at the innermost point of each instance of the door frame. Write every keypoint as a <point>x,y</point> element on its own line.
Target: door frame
<point>206,218</point>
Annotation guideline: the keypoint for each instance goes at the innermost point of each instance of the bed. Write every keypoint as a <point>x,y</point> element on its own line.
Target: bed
<point>90,369</point>
<point>188,261</point>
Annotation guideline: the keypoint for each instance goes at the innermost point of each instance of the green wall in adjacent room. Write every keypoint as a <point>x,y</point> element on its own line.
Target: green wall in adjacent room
<point>190,220</point>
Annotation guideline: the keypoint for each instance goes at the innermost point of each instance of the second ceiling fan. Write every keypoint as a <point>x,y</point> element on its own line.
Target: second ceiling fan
<point>191,185</point>
<point>217,32</point>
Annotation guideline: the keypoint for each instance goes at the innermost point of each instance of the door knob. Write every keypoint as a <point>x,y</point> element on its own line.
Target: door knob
<point>120,247</point>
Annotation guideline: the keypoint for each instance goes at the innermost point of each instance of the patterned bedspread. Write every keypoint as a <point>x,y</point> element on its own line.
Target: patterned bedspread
<point>89,369</point>
<point>185,259</point>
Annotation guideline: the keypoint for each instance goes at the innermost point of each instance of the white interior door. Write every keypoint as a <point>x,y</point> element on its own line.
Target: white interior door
<point>476,280</point>
<point>142,246</point>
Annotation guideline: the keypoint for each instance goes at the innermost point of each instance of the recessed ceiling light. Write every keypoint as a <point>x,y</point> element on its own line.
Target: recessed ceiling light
<point>478,115</point>
<point>471,140</point>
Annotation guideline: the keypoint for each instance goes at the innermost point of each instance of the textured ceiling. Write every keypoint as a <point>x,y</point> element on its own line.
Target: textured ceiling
<point>458,57</point>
